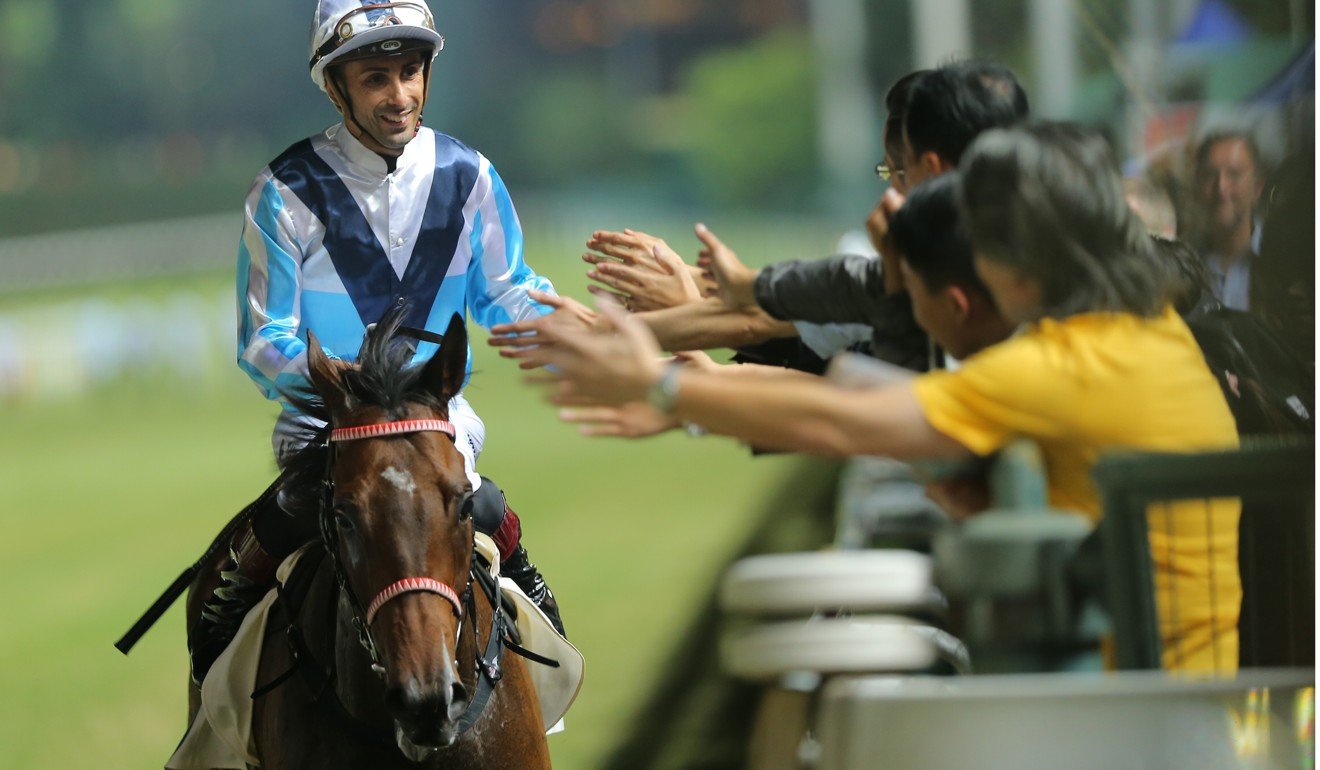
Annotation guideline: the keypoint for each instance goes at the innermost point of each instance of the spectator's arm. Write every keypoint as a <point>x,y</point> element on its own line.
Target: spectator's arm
<point>712,324</point>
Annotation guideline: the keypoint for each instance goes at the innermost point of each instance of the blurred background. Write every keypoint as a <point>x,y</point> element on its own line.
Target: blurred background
<point>131,129</point>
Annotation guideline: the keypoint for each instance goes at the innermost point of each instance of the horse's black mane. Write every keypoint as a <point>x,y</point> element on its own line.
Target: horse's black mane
<point>383,378</point>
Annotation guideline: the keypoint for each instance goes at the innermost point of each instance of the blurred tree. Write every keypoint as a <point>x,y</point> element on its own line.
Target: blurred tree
<point>570,126</point>
<point>750,131</point>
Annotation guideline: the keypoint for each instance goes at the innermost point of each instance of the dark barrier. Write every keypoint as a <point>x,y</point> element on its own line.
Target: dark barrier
<point>1275,481</point>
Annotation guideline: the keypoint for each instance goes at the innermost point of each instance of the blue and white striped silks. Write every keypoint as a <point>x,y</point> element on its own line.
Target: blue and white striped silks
<point>331,241</point>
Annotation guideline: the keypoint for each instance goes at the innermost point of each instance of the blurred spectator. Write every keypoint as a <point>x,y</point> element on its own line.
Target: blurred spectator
<point>946,109</point>
<point>949,300</point>
<point>1152,205</point>
<point>950,106</point>
<point>1228,178</point>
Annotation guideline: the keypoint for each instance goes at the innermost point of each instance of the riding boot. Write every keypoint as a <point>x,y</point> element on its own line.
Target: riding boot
<point>521,570</point>
<point>493,516</point>
<point>244,580</point>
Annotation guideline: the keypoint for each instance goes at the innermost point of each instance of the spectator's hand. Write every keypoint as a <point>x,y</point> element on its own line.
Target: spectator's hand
<point>697,360</point>
<point>516,340</point>
<point>877,227</point>
<point>961,497</point>
<point>643,272</point>
<point>607,366</point>
<point>633,420</point>
<point>736,282</point>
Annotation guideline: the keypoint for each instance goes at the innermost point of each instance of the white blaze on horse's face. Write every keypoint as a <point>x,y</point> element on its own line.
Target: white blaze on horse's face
<point>402,480</point>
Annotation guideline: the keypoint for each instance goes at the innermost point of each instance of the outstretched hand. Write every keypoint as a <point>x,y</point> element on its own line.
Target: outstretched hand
<point>877,227</point>
<point>636,419</point>
<point>639,271</point>
<point>735,282</point>
<point>517,340</point>
<point>612,364</point>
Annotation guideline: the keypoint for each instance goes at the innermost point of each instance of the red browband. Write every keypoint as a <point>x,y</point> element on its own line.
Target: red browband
<point>392,428</point>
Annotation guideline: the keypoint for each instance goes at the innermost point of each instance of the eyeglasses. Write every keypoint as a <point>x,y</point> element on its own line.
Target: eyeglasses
<point>885,173</point>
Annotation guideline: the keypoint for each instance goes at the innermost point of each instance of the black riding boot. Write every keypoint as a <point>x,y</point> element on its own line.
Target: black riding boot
<point>493,516</point>
<point>246,578</point>
<point>521,570</point>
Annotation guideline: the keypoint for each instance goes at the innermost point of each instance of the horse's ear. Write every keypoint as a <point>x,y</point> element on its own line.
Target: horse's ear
<point>443,375</point>
<point>325,374</point>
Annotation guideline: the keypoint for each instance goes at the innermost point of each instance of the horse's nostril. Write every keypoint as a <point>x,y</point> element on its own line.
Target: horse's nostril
<point>458,695</point>
<point>405,697</point>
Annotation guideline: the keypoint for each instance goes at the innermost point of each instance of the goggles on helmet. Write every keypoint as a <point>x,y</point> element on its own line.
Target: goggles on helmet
<point>371,17</point>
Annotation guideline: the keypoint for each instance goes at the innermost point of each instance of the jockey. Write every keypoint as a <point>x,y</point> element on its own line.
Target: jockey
<point>375,211</point>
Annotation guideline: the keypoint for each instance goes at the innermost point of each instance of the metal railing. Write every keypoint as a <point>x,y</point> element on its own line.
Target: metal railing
<point>1275,482</point>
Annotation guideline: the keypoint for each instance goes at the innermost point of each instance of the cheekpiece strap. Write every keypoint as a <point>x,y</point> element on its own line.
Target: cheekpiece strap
<point>392,428</point>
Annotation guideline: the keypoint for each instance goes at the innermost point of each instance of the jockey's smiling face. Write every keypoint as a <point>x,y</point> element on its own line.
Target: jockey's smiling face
<point>384,100</point>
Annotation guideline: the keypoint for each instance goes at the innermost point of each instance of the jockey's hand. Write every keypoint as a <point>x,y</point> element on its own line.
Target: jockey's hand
<point>877,227</point>
<point>633,420</point>
<point>607,366</point>
<point>517,339</point>
<point>734,281</point>
<point>641,270</point>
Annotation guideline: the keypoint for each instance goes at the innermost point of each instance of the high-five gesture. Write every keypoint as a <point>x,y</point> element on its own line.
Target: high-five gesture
<point>735,281</point>
<point>518,340</point>
<point>640,271</point>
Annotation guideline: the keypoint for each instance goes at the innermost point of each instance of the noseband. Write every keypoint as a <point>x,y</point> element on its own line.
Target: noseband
<point>363,619</point>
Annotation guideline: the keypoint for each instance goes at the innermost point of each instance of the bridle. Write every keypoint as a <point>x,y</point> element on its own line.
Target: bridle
<point>363,617</point>
<point>488,661</point>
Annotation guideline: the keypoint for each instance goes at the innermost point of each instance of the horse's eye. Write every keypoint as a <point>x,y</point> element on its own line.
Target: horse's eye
<point>344,523</point>
<point>465,507</point>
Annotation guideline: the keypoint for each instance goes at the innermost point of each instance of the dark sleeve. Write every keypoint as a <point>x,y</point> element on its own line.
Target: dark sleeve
<point>846,289</point>
<point>790,353</point>
<point>895,335</point>
<point>842,289</point>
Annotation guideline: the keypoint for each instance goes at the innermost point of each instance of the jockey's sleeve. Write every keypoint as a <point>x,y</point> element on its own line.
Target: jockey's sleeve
<point>498,278</point>
<point>269,279</point>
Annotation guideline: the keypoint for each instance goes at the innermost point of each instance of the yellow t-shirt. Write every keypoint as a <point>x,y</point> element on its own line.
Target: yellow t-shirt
<point>1112,381</point>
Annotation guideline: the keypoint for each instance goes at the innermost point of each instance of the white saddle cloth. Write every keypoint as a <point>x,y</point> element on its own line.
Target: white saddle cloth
<point>220,737</point>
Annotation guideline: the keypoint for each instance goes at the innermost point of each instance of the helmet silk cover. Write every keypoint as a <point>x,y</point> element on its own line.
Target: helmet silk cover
<point>353,29</point>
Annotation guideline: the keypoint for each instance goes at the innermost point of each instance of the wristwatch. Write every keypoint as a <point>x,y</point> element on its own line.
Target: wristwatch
<point>663,393</point>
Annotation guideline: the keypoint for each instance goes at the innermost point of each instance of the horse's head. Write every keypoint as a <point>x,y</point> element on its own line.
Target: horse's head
<point>400,519</point>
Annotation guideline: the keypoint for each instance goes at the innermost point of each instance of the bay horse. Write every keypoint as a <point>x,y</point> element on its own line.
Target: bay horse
<point>415,677</point>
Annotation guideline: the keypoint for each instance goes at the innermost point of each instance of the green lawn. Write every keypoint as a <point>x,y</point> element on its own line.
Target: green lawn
<point>105,497</point>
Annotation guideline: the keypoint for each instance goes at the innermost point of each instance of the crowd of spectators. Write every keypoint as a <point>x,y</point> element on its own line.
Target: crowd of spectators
<point>1032,292</point>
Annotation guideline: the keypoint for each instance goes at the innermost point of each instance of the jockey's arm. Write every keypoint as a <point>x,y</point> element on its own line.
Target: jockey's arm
<point>269,277</point>
<point>498,278</point>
